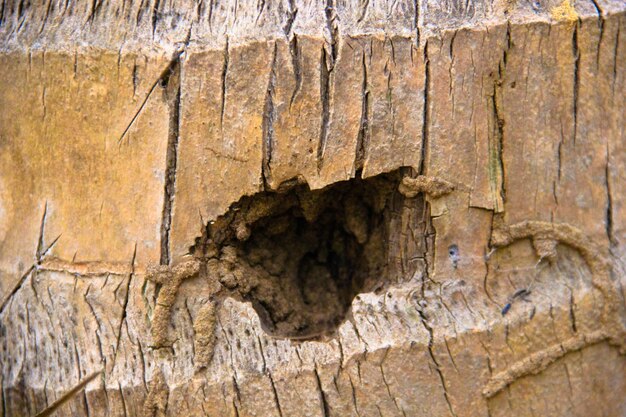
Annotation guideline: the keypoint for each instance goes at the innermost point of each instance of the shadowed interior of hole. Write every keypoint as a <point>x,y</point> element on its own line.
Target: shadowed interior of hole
<point>318,266</point>
<point>301,256</point>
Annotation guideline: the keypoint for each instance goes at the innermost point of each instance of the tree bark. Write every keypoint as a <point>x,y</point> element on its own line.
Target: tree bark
<point>313,208</point>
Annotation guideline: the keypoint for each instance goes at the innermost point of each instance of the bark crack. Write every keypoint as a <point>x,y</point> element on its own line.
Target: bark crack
<point>356,409</point>
<point>125,305</point>
<point>295,52</point>
<point>124,406</point>
<point>600,13</point>
<point>269,115</point>
<point>333,29</point>
<point>388,388</point>
<point>171,82</point>
<point>291,17</point>
<point>224,79</point>
<point>155,16</point>
<point>496,151</point>
<point>416,18</point>
<point>426,112</point>
<point>576,87</point>
<point>40,253</point>
<point>325,86</point>
<point>431,352</point>
<point>161,81</point>
<point>328,61</point>
<point>323,402</point>
<point>363,135</point>
<point>572,313</point>
<point>609,199</point>
<point>276,400</point>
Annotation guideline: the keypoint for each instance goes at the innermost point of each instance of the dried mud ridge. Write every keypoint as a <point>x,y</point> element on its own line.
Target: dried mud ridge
<point>545,238</point>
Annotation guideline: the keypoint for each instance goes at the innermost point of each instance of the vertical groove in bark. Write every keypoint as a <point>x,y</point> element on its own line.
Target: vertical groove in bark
<point>572,311</point>
<point>123,399</point>
<point>155,16</point>
<point>598,10</point>
<point>125,305</point>
<point>333,29</point>
<point>42,231</point>
<point>363,135</point>
<point>615,54</point>
<point>496,151</point>
<point>291,17</point>
<point>297,71</point>
<point>224,74</point>
<point>170,80</point>
<point>328,61</point>
<point>576,55</point>
<point>416,21</point>
<point>426,113</point>
<point>496,154</point>
<point>325,74</point>
<point>323,402</point>
<point>275,394</point>
<point>609,198</point>
<point>431,353</point>
<point>237,396</point>
<point>2,393</point>
<point>268,124</point>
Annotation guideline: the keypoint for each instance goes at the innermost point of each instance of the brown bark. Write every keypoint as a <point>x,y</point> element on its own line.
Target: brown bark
<point>313,208</point>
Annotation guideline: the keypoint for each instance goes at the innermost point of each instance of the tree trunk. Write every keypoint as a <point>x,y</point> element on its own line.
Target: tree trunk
<point>291,208</point>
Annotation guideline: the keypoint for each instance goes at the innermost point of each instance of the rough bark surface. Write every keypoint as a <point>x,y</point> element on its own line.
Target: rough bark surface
<point>173,184</point>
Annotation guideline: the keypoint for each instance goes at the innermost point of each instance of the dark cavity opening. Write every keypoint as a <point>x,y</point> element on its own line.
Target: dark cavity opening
<point>301,256</point>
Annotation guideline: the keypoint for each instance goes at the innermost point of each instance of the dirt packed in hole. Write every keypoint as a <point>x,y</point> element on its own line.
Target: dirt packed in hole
<point>301,256</point>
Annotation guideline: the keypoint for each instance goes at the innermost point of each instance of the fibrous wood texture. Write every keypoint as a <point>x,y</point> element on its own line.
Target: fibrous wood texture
<point>128,129</point>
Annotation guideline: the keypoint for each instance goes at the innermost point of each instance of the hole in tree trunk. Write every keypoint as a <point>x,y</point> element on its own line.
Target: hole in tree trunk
<point>301,256</point>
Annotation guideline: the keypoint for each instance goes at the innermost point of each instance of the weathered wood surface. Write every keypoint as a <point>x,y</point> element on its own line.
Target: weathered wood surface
<point>126,126</point>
